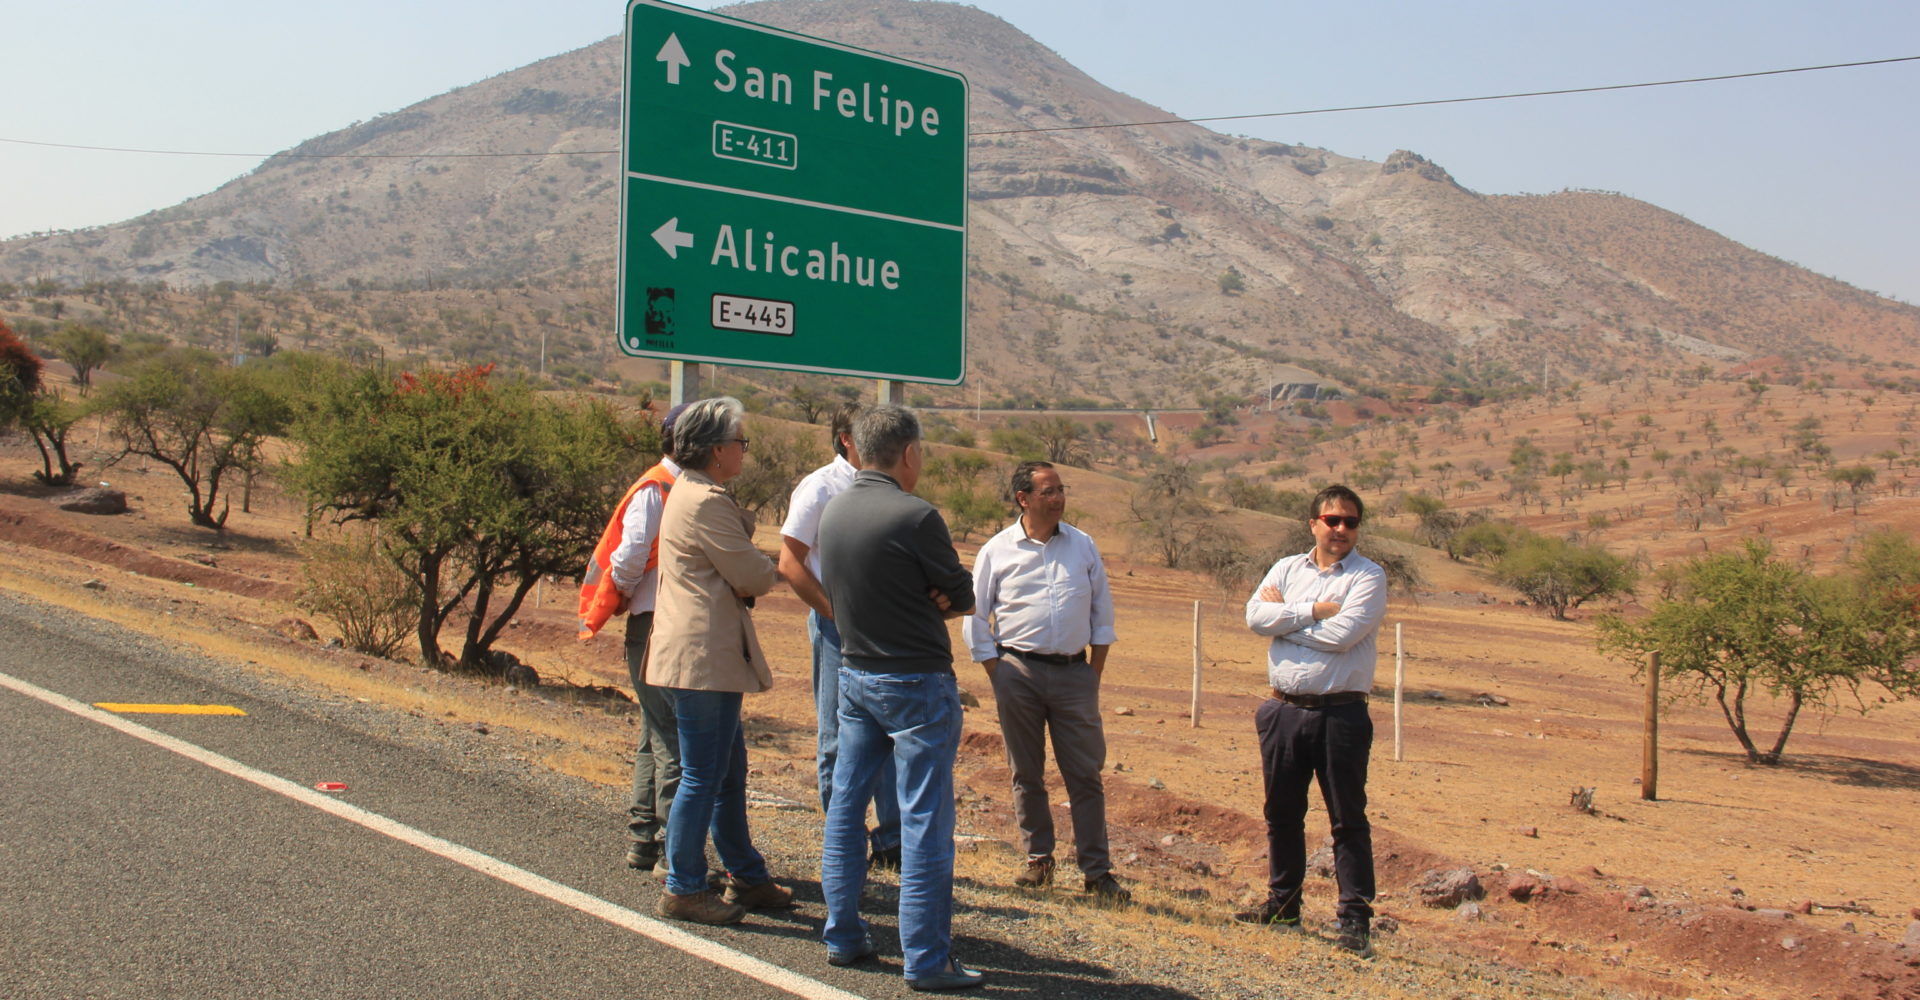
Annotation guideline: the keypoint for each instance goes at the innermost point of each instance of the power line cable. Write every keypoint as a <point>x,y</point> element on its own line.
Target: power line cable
<point>1015,131</point>
<point>1457,100</point>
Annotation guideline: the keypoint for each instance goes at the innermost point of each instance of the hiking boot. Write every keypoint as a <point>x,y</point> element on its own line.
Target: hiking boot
<point>700,908</point>
<point>1108,889</point>
<point>884,859</point>
<point>1355,936</point>
<point>768,895</point>
<point>645,855</point>
<point>1039,872</point>
<point>1270,916</point>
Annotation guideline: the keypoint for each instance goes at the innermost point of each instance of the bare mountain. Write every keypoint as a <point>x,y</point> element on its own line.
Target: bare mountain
<point>1115,263</point>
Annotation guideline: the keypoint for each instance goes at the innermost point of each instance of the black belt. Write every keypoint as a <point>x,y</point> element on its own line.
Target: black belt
<point>1056,659</point>
<point>1321,700</point>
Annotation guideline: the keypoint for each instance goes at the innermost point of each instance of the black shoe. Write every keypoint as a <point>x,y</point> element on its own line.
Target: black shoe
<point>644,855</point>
<point>1108,889</point>
<point>1269,916</point>
<point>884,859</point>
<point>1356,936</point>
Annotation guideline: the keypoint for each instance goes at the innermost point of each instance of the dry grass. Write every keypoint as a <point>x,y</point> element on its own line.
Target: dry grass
<point>1479,785</point>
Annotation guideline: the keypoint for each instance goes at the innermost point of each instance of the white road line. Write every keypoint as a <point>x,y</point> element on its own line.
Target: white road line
<point>619,916</point>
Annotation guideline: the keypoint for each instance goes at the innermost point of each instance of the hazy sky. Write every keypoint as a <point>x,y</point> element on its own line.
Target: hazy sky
<point>1816,168</point>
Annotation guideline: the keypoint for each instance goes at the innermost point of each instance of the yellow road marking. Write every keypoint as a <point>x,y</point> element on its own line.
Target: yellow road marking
<point>114,706</point>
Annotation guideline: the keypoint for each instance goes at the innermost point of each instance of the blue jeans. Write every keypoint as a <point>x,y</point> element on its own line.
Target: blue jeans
<point>826,706</point>
<point>712,794</point>
<point>912,720</point>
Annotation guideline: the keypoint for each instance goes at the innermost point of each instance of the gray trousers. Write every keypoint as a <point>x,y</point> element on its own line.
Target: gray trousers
<point>1037,698</point>
<point>656,760</point>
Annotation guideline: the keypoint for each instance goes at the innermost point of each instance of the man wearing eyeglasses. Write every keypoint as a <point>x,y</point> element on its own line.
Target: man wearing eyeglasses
<point>1323,609</point>
<point>1041,624</point>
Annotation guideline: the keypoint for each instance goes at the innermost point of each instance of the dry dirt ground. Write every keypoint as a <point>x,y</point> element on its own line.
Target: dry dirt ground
<point>1792,881</point>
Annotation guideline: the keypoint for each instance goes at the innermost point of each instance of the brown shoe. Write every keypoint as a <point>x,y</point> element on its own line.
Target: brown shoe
<point>700,908</point>
<point>768,895</point>
<point>1039,872</point>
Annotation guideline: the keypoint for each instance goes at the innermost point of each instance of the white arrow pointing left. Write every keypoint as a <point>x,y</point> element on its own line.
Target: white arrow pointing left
<point>674,56</point>
<point>671,239</point>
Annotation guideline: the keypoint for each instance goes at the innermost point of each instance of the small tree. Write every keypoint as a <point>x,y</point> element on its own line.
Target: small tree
<point>85,348</point>
<point>19,376</point>
<point>1061,438</point>
<point>27,401</point>
<point>1557,574</point>
<point>50,419</point>
<point>1169,512</point>
<point>780,459</point>
<point>968,500</point>
<point>811,402</point>
<point>1857,479</point>
<point>1231,281</point>
<point>1741,622</point>
<point>480,488</point>
<point>198,417</point>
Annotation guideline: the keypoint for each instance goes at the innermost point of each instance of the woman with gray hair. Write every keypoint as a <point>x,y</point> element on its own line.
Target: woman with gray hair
<point>707,655</point>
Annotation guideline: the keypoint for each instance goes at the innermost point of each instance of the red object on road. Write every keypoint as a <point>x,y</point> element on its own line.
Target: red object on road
<point>331,786</point>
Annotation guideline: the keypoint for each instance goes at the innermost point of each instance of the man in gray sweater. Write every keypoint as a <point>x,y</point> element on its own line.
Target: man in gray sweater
<point>893,578</point>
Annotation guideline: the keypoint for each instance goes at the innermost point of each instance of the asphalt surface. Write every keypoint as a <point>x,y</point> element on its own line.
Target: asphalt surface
<point>129,870</point>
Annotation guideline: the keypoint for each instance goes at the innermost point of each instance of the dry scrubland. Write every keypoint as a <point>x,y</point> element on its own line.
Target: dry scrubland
<point>1480,785</point>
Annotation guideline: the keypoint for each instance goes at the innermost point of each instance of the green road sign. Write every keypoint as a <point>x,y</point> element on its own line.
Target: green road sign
<point>790,202</point>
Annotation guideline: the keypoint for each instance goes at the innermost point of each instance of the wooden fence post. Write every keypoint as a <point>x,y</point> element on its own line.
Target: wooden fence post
<point>1650,749</point>
<point>1399,687</point>
<point>1194,710</point>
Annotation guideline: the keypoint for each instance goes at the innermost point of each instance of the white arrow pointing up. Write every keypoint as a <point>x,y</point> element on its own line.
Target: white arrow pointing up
<point>671,239</point>
<point>675,57</point>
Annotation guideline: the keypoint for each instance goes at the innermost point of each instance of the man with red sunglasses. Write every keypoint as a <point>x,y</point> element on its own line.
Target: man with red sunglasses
<point>1322,609</point>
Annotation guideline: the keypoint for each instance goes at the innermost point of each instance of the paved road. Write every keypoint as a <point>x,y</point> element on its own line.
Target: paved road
<point>130,870</point>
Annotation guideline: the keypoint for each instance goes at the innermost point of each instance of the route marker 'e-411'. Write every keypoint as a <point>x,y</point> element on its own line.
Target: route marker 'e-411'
<point>790,202</point>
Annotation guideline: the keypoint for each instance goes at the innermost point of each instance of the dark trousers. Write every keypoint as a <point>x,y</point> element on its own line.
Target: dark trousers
<point>656,757</point>
<point>1297,746</point>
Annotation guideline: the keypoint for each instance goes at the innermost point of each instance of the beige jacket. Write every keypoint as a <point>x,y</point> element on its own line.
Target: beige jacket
<point>703,635</point>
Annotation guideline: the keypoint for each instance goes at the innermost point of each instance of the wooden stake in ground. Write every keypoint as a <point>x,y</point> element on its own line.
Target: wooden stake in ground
<point>1650,749</point>
<point>1193,711</point>
<point>1399,686</point>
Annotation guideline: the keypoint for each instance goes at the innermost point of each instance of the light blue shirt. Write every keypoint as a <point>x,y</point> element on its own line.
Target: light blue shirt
<point>1044,597</point>
<point>1321,657</point>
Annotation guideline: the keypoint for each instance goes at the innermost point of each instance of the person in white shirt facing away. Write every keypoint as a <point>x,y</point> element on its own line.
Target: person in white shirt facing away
<point>1041,626</point>
<point>800,567</point>
<point>1322,610</point>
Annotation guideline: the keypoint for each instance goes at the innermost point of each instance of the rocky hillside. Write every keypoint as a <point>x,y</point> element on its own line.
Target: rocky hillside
<point>1123,264</point>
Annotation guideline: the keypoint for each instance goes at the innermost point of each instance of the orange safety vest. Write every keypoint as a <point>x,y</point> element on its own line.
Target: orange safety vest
<point>599,598</point>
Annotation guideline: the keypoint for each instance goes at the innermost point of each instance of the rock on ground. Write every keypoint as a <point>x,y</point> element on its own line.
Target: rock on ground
<point>1447,888</point>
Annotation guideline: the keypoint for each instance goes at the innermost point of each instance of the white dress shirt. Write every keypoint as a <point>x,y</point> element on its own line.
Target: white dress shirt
<point>1321,657</point>
<point>809,499</point>
<point>638,528</point>
<point>1042,597</point>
